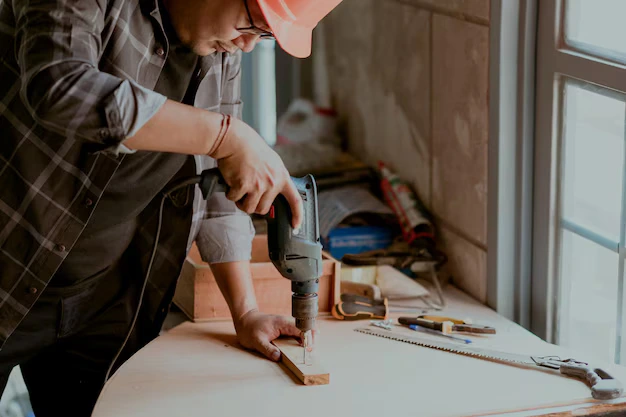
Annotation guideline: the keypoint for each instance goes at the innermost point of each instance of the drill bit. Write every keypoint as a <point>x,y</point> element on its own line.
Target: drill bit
<point>304,309</point>
<point>307,342</point>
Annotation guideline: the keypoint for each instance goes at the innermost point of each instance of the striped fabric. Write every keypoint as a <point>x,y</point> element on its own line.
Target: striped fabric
<point>76,80</point>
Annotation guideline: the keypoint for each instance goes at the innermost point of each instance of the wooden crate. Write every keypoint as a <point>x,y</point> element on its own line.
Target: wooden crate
<point>199,297</point>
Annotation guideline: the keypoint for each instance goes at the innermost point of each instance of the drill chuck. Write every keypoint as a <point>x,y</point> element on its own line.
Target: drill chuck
<point>304,309</point>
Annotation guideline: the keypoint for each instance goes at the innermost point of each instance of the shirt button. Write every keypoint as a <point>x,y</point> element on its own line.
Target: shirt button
<point>88,202</point>
<point>160,51</point>
<point>32,290</point>
<point>59,247</point>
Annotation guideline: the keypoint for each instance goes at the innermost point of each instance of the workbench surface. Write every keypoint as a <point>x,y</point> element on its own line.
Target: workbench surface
<point>199,369</point>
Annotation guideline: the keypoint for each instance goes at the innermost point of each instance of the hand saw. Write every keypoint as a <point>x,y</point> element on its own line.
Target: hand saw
<point>603,386</point>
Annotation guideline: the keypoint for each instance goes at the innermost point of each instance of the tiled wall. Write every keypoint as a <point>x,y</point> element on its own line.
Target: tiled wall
<point>410,80</point>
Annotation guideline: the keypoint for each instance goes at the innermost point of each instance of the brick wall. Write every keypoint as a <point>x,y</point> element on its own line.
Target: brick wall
<point>409,79</point>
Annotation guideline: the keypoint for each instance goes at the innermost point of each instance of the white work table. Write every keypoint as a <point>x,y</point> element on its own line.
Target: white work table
<point>199,369</point>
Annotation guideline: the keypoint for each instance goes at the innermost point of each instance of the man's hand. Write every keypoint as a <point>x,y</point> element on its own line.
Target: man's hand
<point>256,330</point>
<point>254,172</point>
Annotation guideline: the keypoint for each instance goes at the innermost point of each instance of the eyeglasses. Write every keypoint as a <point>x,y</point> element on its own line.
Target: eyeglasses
<point>253,30</point>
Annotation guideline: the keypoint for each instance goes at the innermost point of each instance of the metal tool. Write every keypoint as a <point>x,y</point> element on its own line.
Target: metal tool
<point>358,307</point>
<point>443,323</point>
<point>603,386</point>
<point>438,333</point>
<point>355,298</point>
<point>296,253</point>
<point>383,324</point>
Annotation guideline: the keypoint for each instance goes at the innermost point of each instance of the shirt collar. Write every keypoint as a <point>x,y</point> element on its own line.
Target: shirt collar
<point>150,8</point>
<point>170,32</point>
<point>156,9</point>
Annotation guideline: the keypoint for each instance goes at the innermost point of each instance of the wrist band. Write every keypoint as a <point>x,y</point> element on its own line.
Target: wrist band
<point>224,126</point>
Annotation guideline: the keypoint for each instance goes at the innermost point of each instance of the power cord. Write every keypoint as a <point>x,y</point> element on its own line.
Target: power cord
<point>185,182</point>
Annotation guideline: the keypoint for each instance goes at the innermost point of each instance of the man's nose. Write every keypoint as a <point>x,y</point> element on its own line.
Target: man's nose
<point>247,42</point>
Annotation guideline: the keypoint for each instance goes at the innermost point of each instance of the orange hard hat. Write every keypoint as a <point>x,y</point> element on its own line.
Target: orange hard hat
<point>293,21</point>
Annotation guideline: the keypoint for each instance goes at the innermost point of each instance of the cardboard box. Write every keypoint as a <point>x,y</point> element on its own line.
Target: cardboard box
<point>199,296</point>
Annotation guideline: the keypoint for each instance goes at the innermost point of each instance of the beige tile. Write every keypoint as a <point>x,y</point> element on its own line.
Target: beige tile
<point>349,31</point>
<point>466,266</point>
<point>474,8</point>
<point>460,120</point>
<point>379,70</point>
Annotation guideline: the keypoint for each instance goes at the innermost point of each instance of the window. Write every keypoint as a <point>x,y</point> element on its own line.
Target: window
<point>258,89</point>
<point>580,165</point>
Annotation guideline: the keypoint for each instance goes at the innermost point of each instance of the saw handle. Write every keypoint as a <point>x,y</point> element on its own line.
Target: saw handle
<point>355,298</point>
<point>603,386</point>
<point>355,309</point>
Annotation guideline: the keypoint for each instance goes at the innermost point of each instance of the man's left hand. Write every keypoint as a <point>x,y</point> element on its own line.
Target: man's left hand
<point>256,330</point>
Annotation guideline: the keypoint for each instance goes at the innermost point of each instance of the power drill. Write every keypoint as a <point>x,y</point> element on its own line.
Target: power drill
<point>296,253</point>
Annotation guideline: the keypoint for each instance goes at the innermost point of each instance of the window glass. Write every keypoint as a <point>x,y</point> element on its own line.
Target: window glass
<point>597,27</point>
<point>588,297</point>
<point>593,153</point>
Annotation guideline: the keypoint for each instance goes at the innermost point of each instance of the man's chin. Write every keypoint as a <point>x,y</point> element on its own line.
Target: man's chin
<point>204,50</point>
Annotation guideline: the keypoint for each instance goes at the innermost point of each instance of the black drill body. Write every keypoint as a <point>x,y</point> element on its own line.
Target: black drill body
<point>297,255</point>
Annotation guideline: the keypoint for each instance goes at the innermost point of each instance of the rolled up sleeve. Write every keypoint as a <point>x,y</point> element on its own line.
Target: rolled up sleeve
<point>226,233</point>
<point>226,239</point>
<point>58,48</point>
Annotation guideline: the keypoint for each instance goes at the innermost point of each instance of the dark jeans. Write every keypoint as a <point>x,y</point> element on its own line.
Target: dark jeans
<point>67,341</point>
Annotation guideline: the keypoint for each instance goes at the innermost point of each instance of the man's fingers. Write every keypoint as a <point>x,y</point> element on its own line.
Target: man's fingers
<point>265,203</point>
<point>295,202</point>
<point>250,203</point>
<point>269,350</point>
<point>289,329</point>
<point>235,193</point>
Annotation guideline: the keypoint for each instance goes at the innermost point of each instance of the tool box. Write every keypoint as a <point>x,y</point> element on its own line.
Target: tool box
<point>199,297</point>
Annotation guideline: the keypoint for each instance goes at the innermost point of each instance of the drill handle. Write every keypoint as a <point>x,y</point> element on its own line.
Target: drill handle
<point>296,254</point>
<point>212,181</point>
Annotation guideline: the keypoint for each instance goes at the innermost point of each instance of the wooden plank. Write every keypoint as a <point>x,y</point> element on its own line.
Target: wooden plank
<point>292,358</point>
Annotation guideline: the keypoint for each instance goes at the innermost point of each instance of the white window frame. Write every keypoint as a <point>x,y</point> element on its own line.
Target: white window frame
<point>555,60</point>
<point>510,157</point>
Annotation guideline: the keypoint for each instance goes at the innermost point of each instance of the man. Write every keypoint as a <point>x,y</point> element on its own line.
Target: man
<point>104,105</point>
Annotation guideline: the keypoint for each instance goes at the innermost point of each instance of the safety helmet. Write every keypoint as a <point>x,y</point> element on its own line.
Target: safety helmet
<point>293,21</point>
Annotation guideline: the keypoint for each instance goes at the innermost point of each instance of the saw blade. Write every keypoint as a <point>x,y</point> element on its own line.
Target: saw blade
<point>453,347</point>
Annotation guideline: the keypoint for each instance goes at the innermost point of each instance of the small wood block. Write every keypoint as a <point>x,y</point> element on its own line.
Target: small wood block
<point>313,374</point>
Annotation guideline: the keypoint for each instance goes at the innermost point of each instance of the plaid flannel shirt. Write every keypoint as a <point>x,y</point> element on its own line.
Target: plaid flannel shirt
<point>76,80</point>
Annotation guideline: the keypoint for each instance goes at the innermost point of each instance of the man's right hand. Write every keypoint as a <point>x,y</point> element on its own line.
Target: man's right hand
<point>254,172</point>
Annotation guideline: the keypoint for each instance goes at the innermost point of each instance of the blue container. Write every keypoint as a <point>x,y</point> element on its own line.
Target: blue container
<point>357,239</point>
